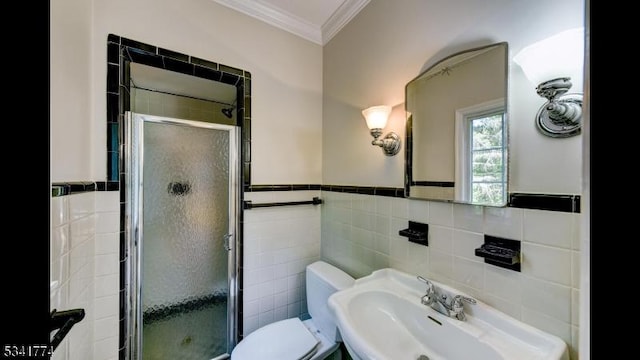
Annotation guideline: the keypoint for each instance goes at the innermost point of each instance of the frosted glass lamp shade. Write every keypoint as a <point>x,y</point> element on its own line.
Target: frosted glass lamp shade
<point>376,116</point>
<point>557,56</point>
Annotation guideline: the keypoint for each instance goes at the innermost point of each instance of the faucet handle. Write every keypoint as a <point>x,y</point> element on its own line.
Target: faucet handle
<point>428,298</point>
<point>429,284</point>
<point>456,302</point>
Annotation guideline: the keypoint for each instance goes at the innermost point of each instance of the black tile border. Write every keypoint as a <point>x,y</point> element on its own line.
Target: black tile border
<point>288,187</point>
<point>122,51</point>
<point>366,190</point>
<point>434,183</point>
<point>564,203</point>
<point>77,187</point>
<point>550,202</point>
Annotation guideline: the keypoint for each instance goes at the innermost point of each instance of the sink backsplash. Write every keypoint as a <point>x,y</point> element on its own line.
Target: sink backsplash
<point>360,235</point>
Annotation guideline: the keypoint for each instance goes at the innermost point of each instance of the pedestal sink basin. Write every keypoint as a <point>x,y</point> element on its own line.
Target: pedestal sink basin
<point>381,317</point>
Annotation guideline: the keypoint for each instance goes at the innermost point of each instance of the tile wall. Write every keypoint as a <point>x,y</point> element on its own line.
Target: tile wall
<point>360,234</point>
<point>279,242</point>
<point>73,224</point>
<point>84,271</point>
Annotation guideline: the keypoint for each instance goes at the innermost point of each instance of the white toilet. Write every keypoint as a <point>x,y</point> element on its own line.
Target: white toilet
<point>293,339</point>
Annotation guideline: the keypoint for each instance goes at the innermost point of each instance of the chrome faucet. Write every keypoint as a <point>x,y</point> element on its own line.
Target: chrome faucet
<point>442,303</point>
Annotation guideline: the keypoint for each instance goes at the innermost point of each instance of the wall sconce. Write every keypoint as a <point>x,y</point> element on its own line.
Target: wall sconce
<point>376,117</point>
<point>547,64</point>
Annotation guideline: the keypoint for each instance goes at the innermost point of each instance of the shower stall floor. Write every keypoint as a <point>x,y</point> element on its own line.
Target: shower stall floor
<point>199,334</point>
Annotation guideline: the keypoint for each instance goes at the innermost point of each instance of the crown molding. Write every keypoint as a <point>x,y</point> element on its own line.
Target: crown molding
<point>347,11</point>
<point>294,24</point>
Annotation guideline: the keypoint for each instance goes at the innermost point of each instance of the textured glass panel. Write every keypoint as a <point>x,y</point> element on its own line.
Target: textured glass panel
<point>185,218</point>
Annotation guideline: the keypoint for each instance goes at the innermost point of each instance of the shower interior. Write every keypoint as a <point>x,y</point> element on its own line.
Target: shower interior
<point>188,324</point>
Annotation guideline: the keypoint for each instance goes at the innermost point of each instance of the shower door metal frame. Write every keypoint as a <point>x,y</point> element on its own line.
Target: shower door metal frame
<point>134,160</point>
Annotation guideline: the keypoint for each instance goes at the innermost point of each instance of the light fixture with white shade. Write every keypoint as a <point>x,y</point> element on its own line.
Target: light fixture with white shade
<point>547,64</point>
<point>376,117</point>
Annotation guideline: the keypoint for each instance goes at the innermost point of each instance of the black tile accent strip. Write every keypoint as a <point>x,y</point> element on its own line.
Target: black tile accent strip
<point>552,202</point>
<point>138,45</point>
<point>107,186</point>
<point>190,304</point>
<point>434,183</point>
<point>76,187</point>
<point>367,190</point>
<point>293,187</point>
<point>173,54</point>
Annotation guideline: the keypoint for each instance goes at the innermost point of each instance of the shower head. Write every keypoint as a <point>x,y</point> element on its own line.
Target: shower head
<point>227,112</point>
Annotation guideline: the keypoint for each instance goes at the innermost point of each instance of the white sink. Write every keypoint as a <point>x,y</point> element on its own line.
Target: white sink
<point>381,317</point>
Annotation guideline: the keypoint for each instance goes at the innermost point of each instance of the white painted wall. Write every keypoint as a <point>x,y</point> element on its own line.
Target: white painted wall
<point>286,80</point>
<point>286,74</point>
<point>70,90</point>
<point>389,43</point>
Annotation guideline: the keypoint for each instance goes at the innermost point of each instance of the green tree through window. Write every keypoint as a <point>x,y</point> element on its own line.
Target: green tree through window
<point>488,180</point>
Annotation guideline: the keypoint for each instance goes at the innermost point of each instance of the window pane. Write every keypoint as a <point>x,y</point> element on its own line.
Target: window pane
<point>487,132</point>
<point>490,194</point>
<point>487,165</point>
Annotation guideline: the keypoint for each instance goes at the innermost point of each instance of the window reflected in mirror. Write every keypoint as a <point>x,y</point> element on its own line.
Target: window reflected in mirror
<point>457,146</point>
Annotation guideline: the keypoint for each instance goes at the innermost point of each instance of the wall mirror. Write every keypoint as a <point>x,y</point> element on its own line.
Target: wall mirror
<point>457,143</point>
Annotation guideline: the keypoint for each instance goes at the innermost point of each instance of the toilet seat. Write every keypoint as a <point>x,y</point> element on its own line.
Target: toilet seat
<point>282,340</point>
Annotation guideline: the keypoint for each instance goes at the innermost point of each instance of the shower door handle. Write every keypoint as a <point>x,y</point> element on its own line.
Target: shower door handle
<point>227,241</point>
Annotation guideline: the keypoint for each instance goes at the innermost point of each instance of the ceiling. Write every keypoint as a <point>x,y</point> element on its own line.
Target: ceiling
<point>315,20</point>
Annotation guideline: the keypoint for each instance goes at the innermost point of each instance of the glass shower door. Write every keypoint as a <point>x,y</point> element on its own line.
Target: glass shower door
<point>187,200</point>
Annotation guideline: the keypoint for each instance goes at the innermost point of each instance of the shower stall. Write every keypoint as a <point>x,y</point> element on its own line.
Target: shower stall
<point>182,211</point>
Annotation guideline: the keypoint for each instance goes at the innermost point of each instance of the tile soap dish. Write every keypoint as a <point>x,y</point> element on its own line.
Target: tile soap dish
<point>417,233</point>
<point>500,252</point>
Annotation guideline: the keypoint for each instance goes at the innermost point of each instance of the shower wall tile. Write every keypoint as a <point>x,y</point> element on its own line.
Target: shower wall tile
<point>279,243</point>
<point>72,245</point>
<point>107,274</point>
<point>544,294</point>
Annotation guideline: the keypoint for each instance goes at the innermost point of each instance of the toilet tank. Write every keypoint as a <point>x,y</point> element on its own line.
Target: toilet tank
<point>322,280</point>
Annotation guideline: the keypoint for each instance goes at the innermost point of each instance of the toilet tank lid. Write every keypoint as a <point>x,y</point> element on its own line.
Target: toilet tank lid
<point>331,274</point>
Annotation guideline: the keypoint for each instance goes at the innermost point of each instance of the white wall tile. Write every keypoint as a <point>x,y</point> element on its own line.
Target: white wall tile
<point>440,213</point>
<point>547,263</point>
<point>399,208</point>
<point>81,229</point>
<point>107,201</point>
<point>81,205</point>
<point>547,298</point>
<point>575,343</point>
<point>467,272</point>
<point>550,227</point>
<point>107,222</point>
<point>105,349</point>
<point>575,307</point>
<point>575,269</point>
<point>468,217</point>
<point>503,222</point>
<point>107,264</point>
<point>509,308</point>
<point>107,244</point>
<point>383,205</point>
<point>60,241</point>
<point>419,211</point>
<point>547,323</point>
<point>107,285</point>
<point>441,239</point>
<point>106,306</point>
<point>465,243</point>
<point>59,210</point>
<point>441,263</point>
<point>503,283</point>
<point>105,328</point>
<point>280,313</point>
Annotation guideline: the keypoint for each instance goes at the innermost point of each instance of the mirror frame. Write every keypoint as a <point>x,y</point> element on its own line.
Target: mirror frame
<point>408,175</point>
